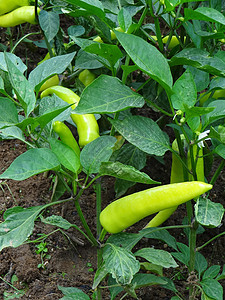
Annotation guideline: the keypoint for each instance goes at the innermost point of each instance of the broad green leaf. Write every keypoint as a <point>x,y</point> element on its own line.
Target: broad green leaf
<point>212,288</point>
<point>58,221</point>
<point>86,60</point>
<point>15,59</point>
<point>107,54</point>
<point>49,110</point>
<point>132,156</point>
<point>147,58</point>
<point>121,263</point>
<point>200,263</point>
<point>201,78</point>
<point>124,19</point>
<point>12,132</point>
<point>160,234</point>
<point>141,280</point>
<point>222,275</point>
<point>9,114</point>
<point>211,272</point>
<point>220,150</point>
<point>125,239</point>
<point>65,155</point>
<point>107,94</point>
<point>217,113</point>
<point>96,152</point>
<point>72,293</point>
<point>205,14</point>
<point>208,213</point>
<point>31,162</point>
<point>100,274</point>
<point>45,118</point>
<point>158,257</point>
<point>21,86</point>
<point>144,133</point>
<point>217,83</point>
<point>52,66</point>
<point>49,22</point>
<point>119,170</point>
<point>184,254</point>
<point>95,7</point>
<point>18,225</point>
<point>184,91</point>
<point>200,59</point>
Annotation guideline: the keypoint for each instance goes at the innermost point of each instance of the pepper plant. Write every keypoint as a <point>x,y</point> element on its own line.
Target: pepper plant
<point>163,56</point>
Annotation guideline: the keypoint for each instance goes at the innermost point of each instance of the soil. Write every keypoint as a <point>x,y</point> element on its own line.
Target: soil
<point>72,260</point>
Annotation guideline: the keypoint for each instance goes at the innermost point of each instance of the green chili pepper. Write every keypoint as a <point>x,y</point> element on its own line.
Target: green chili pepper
<point>66,136</point>
<point>52,81</point>
<point>9,5</point>
<point>87,126</point>
<point>177,176</point>
<point>128,210</point>
<point>24,14</point>
<point>86,77</point>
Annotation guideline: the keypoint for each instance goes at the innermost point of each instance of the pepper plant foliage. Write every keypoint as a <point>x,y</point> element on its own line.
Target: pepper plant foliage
<point>157,65</point>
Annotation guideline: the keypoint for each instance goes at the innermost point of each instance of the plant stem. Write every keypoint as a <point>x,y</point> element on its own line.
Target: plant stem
<point>209,241</point>
<point>85,225</point>
<point>98,205</point>
<point>192,246</point>
<point>217,173</point>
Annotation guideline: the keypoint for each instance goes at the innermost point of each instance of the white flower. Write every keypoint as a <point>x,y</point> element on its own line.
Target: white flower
<point>201,136</point>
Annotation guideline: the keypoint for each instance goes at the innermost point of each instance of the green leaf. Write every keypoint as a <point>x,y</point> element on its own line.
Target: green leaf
<point>52,66</point>
<point>162,235</point>
<point>18,225</point>
<point>100,274</point>
<point>184,254</point>
<point>96,152</point>
<point>212,288</point>
<point>158,257</point>
<point>217,113</point>
<point>9,114</point>
<point>49,22</point>
<point>95,7</point>
<point>86,60</point>
<point>208,213</point>
<point>58,221</point>
<point>144,133</point>
<point>119,170</point>
<point>65,155</point>
<point>220,150</point>
<point>121,263</point>
<point>124,19</point>
<point>222,275</point>
<point>125,239</point>
<point>12,132</point>
<point>184,91</point>
<point>15,59</point>
<point>211,272</point>
<point>72,293</point>
<point>208,14</point>
<point>21,86</point>
<point>147,58</point>
<point>107,54</point>
<point>32,162</point>
<point>107,94</point>
<point>199,59</point>
<point>141,280</point>
<point>200,263</point>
